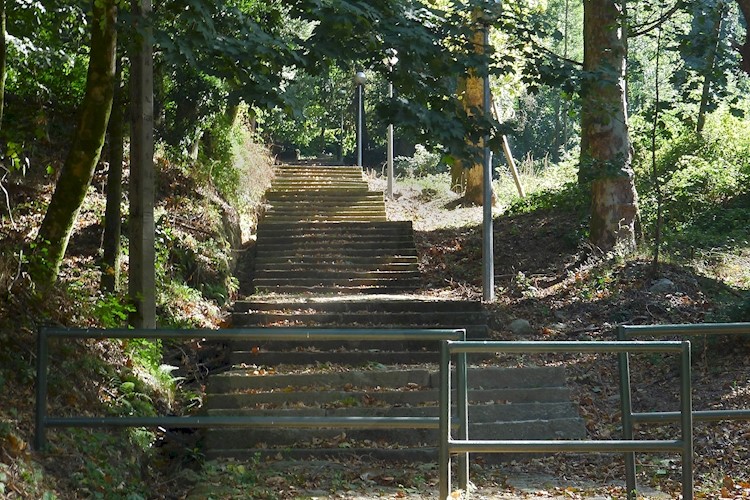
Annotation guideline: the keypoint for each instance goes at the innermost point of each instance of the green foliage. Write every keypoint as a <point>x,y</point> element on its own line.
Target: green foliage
<point>109,467</point>
<point>704,181</point>
<point>422,163</point>
<point>47,59</point>
<point>569,197</point>
<point>112,311</point>
<point>698,183</point>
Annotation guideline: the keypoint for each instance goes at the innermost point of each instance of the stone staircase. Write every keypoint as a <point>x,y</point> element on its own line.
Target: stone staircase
<point>358,272</point>
<point>326,233</point>
<point>505,403</point>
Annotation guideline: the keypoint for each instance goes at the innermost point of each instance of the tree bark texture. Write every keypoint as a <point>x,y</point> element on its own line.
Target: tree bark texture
<point>466,176</point>
<point>606,151</point>
<point>744,49</point>
<point>142,251</point>
<point>3,60</point>
<point>710,61</point>
<point>78,169</point>
<point>110,280</point>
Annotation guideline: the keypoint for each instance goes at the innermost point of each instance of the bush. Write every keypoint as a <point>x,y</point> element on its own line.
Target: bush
<point>698,184</point>
<point>703,180</point>
<point>421,164</point>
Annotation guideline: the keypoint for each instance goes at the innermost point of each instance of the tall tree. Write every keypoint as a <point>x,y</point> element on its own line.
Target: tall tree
<point>606,152</point>
<point>467,174</point>
<point>78,169</point>
<point>744,49</point>
<point>3,53</point>
<point>715,34</point>
<point>110,279</point>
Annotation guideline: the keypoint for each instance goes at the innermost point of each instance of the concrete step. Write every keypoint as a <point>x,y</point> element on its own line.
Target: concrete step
<point>557,428</point>
<point>269,261</point>
<point>287,265</point>
<point>478,378</point>
<point>350,407</point>
<point>560,394</point>
<point>310,197</point>
<point>315,184</point>
<point>339,274</point>
<point>326,290</point>
<point>363,304</point>
<point>323,252</point>
<point>346,233</point>
<point>385,246</point>
<point>413,319</point>
<point>318,357</point>
<point>340,347</point>
<point>329,196</point>
<point>337,236</point>
<point>343,218</point>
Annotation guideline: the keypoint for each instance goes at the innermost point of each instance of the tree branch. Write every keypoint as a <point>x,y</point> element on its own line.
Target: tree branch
<point>644,29</point>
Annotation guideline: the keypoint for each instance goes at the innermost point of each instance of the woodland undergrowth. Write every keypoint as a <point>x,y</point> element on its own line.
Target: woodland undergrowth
<point>545,273</point>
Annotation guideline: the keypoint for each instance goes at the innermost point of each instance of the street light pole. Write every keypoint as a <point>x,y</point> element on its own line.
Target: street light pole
<point>488,258</point>
<point>360,79</point>
<point>391,60</point>
<point>390,149</point>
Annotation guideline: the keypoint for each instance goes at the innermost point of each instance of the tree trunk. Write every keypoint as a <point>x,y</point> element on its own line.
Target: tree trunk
<point>142,250</point>
<point>76,174</point>
<point>744,49</point>
<point>606,152</point>
<point>3,54</point>
<point>110,280</point>
<point>467,175</point>
<point>710,61</point>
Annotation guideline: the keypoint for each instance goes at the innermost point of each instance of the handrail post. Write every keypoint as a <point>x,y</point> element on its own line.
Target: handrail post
<point>626,405</point>
<point>462,396</point>
<point>40,410</point>
<point>686,409</point>
<point>444,457</point>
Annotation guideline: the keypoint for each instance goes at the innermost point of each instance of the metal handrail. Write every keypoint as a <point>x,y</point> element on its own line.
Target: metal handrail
<point>630,418</point>
<point>448,445</point>
<point>43,420</point>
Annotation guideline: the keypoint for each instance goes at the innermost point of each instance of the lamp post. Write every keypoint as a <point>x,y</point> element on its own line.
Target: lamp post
<point>488,258</point>
<point>391,60</point>
<point>359,80</point>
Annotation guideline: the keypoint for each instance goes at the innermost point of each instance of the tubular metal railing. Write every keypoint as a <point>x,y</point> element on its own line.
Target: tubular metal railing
<point>44,421</point>
<point>629,418</point>
<point>464,445</point>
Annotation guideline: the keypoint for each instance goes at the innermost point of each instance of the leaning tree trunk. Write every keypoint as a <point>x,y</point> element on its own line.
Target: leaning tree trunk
<point>606,152</point>
<point>76,174</point>
<point>3,53</point>
<point>467,175</point>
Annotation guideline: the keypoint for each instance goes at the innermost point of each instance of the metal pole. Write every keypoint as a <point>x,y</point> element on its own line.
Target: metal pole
<point>626,405</point>
<point>389,191</point>
<point>488,265</point>
<point>359,124</point>
<point>462,397</point>
<point>686,408</point>
<point>40,412</point>
<point>444,456</point>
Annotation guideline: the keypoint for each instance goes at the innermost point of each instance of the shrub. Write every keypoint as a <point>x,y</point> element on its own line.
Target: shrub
<point>421,164</point>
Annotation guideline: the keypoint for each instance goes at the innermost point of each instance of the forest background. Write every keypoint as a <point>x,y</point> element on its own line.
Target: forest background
<point>237,82</point>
